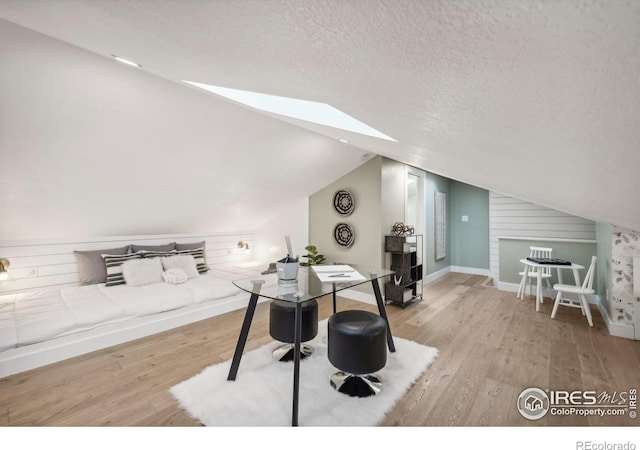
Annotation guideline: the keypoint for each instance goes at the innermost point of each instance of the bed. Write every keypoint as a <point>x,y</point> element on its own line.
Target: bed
<point>42,326</point>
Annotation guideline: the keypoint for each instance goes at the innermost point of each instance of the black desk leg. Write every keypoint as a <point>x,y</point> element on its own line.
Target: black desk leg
<point>383,313</point>
<point>334,298</point>
<point>242,339</point>
<point>296,364</point>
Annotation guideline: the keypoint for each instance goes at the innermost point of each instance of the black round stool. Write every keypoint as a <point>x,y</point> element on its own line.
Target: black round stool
<point>282,325</point>
<point>357,346</point>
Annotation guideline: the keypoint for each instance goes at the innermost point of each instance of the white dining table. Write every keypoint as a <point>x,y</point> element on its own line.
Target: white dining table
<point>529,265</point>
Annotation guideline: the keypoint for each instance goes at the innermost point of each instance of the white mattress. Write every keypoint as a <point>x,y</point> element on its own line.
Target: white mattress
<point>37,316</point>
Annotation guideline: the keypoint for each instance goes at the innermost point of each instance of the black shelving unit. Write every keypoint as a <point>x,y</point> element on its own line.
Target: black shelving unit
<point>406,261</point>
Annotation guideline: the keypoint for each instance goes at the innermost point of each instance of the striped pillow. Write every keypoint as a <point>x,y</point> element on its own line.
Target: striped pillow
<point>198,255</point>
<point>155,254</point>
<point>113,265</point>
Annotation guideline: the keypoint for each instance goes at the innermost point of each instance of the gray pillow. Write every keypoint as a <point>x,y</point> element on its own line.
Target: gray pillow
<point>153,248</point>
<point>191,246</point>
<point>91,265</point>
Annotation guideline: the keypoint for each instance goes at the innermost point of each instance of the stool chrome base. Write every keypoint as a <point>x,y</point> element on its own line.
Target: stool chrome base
<point>356,385</point>
<point>285,352</point>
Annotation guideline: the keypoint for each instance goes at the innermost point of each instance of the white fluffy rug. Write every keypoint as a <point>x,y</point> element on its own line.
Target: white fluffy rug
<point>263,391</point>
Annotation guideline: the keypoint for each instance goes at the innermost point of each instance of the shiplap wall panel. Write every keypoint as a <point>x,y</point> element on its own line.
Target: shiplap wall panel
<point>511,217</point>
<point>56,265</point>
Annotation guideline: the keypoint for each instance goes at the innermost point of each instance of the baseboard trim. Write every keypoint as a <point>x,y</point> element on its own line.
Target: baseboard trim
<point>470,270</point>
<point>439,274</point>
<point>616,329</point>
<point>508,287</point>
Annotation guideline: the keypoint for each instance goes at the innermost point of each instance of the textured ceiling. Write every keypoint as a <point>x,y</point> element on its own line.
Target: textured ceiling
<point>534,99</point>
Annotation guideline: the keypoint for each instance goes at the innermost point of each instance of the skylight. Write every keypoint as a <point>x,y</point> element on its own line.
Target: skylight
<point>314,112</point>
<point>126,61</point>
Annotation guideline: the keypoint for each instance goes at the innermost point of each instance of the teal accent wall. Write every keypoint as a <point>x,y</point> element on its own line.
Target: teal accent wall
<point>513,250</point>
<point>470,240</point>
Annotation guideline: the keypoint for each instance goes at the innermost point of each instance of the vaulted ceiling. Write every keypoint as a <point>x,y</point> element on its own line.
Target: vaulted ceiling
<point>534,99</point>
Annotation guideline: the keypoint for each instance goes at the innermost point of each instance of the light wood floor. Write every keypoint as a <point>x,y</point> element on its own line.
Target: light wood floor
<point>491,347</point>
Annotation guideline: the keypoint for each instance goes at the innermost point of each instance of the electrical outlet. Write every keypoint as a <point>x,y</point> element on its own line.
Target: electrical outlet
<point>32,272</point>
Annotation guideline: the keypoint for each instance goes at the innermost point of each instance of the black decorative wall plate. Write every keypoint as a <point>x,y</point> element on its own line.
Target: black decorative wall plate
<point>343,202</point>
<point>343,234</point>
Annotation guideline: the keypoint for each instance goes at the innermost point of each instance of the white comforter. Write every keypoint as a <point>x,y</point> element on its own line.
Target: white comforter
<point>37,316</point>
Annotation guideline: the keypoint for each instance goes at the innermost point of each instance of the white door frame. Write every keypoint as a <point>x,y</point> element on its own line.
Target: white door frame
<point>421,213</point>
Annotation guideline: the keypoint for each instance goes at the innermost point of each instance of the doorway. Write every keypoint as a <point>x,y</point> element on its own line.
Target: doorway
<point>415,206</point>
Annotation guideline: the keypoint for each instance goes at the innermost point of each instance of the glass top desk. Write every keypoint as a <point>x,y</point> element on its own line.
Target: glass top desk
<point>307,287</point>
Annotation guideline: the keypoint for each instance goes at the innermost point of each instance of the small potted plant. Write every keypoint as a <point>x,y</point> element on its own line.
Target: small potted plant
<point>313,257</point>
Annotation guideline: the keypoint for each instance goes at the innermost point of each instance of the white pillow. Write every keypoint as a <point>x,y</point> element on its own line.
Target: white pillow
<point>139,272</point>
<point>184,262</point>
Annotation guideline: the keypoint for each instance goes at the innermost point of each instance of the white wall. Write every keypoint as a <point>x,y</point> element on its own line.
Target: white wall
<point>90,147</point>
<point>393,196</point>
<point>52,264</point>
<point>270,243</point>
<point>378,188</point>
<point>511,217</point>
<point>364,184</point>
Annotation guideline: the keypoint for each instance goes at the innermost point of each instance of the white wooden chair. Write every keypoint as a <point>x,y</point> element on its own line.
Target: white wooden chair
<point>580,291</point>
<point>535,252</point>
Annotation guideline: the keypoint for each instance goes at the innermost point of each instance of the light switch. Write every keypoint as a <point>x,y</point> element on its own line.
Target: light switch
<point>465,218</point>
